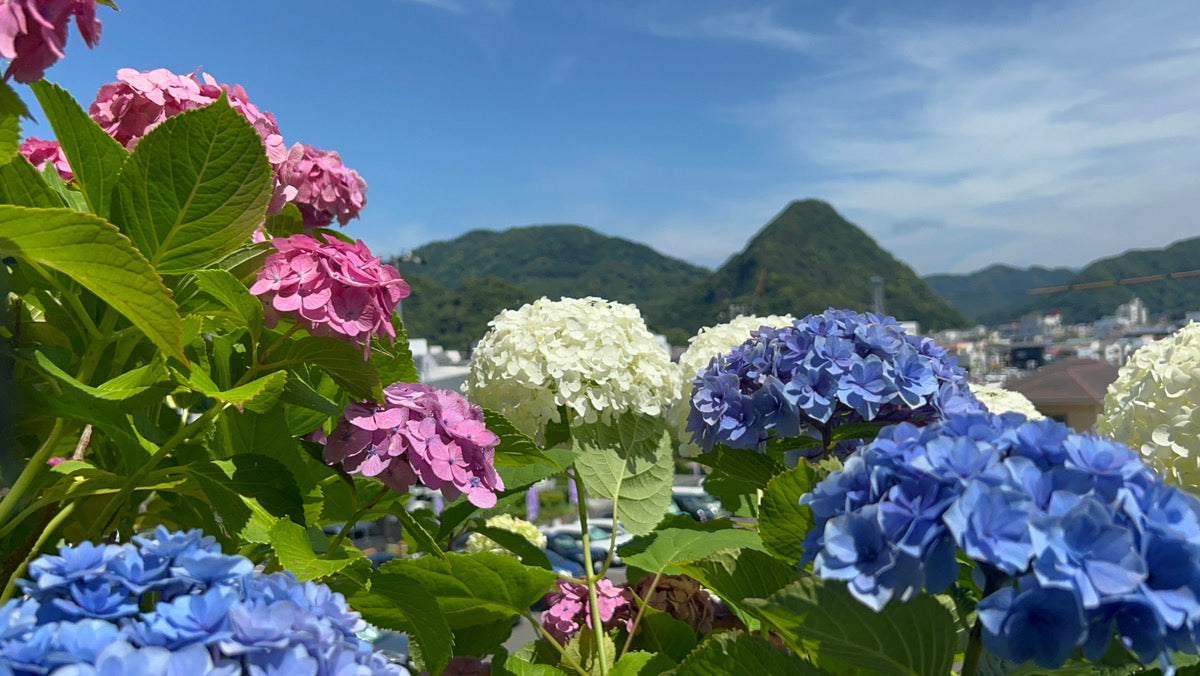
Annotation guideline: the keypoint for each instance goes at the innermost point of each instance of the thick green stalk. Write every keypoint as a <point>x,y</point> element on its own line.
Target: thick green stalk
<point>32,469</point>
<point>592,576</point>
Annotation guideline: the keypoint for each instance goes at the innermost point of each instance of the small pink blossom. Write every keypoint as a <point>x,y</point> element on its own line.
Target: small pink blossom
<point>56,461</point>
<point>319,184</point>
<point>308,278</point>
<point>40,153</point>
<point>34,32</point>
<point>402,442</point>
<point>569,608</point>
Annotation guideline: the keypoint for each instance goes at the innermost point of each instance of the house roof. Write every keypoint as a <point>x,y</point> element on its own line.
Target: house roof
<point>1066,381</point>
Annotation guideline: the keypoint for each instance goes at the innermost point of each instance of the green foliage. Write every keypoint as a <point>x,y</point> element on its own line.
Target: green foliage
<point>664,549</point>
<point>783,521</point>
<point>737,654</point>
<point>994,289</point>
<point>628,462</point>
<point>399,601</point>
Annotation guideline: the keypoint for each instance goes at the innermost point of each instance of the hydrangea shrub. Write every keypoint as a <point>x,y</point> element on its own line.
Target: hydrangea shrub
<point>1154,405</point>
<point>478,542</point>
<point>998,400</point>
<point>33,33</point>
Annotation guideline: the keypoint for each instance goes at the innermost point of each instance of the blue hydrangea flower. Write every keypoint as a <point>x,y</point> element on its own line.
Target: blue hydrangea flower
<point>822,372</point>
<point>1073,538</point>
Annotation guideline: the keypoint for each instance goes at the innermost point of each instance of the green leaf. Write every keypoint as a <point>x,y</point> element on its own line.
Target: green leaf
<point>258,395</point>
<point>294,549</point>
<point>123,387</point>
<point>516,666</point>
<point>662,633</point>
<point>424,540</point>
<point>638,663</point>
<point>753,468</point>
<point>69,196</point>
<point>737,654</point>
<point>629,462</point>
<point>106,416</point>
<point>300,393</point>
<point>289,221</point>
<point>517,544</point>
<point>515,447</point>
<point>662,550</point>
<point>584,648</point>
<point>21,185</point>
<point>736,575</point>
<point>394,362</point>
<point>398,601</point>
<point>821,618</point>
<point>478,589</point>
<point>782,520</point>
<point>93,253</point>
<point>342,361</point>
<point>10,103</point>
<point>194,189</point>
<point>268,481</point>
<point>94,156</point>
<point>234,296</point>
<point>10,137</point>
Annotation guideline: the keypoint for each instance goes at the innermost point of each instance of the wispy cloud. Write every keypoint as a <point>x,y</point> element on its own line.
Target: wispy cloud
<point>452,6</point>
<point>1052,135</point>
<point>726,21</point>
<point>465,6</point>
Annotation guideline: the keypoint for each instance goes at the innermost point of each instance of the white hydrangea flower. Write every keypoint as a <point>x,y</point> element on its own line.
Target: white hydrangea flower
<point>477,542</point>
<point>593,356</point>
<point>999,400</point>
<point>1152,405</point>
<point>710,342</point>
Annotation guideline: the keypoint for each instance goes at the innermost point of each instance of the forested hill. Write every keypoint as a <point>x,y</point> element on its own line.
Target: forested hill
<point>556,261</point>
<point>808,259</point>
<point>994,288</point>
<point>1173,297</point>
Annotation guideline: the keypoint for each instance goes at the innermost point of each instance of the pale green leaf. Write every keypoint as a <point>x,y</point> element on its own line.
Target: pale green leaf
<point>517,666</point>
<point>517,544</point>
<point>93,253</point>
<point>194,189</point>
<point>418,533</point>
<point>258,395</point>
<point>70,196</point>
<point>662,550</point>
<point>10,136</point>
<point>738,574</point>
<point>782,520</point>
<point>342,361</point>
<point>738,654</point>
<point>584,649</point>
<point>294,549</point>
<point>629,462</point>
<point>394,360</point>
<point>821,618</point>
<point>398,601</point>
<point>234,296</point>
<point>94,156</point>
<point>21,185</point>
<point>639,663</point>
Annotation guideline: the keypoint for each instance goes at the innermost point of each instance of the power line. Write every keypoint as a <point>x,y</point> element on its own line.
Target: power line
<point>1113,282</point>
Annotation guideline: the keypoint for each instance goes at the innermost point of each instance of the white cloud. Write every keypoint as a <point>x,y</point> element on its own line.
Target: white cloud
<point>726,21</point>
<point>1054,136</point>
<point>464,6</point>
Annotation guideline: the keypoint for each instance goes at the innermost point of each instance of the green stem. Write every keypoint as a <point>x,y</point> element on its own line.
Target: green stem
<point>592,576</point>
<point>35,466</point>
<point>637,620</point>
<point>101,525</point>
<point>279,341</point>
<point>349,525</point>
<point>11,587</point>
<point>557,646</point>
<point>992,581</point>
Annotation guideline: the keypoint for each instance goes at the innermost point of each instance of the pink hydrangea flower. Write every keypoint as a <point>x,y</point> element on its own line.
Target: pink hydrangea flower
<point>321,186</point>
<point>404,440</point>
<point>334,288</point>
<point>34,32</point>
<point>140,101</point>
<point>40,153</point>
<point>569,608</point>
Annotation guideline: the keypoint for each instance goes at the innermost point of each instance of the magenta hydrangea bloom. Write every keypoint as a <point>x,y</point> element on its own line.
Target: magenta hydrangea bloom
<point>569,608</point>
<point>140,101</point>
<point>421,434</point>
<point>34,32</point>
<point>40,153</point>
<point>321,186</point>
<point>334,288</point>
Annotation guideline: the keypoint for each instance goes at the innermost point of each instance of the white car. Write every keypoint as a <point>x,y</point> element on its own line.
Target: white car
<point>600,535</point>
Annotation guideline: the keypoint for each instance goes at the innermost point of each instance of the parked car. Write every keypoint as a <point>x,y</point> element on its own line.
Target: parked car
<point>693,501</point>
<point>567,539</point>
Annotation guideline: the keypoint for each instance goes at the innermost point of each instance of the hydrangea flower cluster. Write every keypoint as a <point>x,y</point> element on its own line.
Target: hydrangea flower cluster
<point>478,542</point>
<point>314,180</point>
<point>86,613</point>
<point>998,400</point>
<point>419,433</point>
<point>319,184</point>
<point>40,153</point>
<point>593,356</point>
<point>139,101</point>
<point>821,372</point>
<point>34,32</point>
<point>710,342</point>
<point>1154,405</point>
<point>1073,535</point>
<point>334,288</point>
<point>569,608</point>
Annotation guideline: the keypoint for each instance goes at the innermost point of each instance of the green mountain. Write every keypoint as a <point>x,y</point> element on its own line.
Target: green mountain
<point>456,318</point>
<point>1121,277</point>
<point>995,287</point>
<point>556,261</point>
<point>808,259</point>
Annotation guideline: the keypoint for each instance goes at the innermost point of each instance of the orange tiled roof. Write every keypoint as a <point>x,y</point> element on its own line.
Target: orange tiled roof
<point>1066,381</point>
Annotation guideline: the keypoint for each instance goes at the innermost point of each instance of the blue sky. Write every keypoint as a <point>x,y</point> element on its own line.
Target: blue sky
<point>957,134</point>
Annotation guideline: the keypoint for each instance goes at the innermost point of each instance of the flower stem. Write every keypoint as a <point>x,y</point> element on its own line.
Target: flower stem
<point>592,576</point>
<point>349,525</point>
<point>554,642</point>
<point>637,619</point>
<point>32,469</point>
<point>11,587</point>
